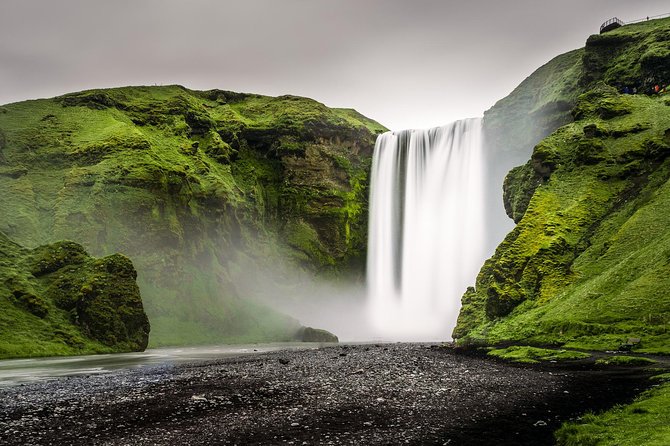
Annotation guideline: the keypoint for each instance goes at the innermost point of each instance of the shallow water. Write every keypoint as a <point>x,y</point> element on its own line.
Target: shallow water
<point>18,371</point>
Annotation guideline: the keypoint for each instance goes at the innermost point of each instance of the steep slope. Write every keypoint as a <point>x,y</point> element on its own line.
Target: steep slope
<point>201,189</point>
<point>56,300</point>
<point>632,56</point>
<point>587,265</point>
<point>537,107</point>
<point>512,127</point>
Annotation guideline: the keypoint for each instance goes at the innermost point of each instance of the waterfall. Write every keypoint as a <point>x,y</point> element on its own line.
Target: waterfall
<point>426,233</point>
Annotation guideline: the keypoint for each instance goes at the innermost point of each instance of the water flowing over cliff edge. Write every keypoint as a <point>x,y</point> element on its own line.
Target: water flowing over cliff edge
<point>426,236</point>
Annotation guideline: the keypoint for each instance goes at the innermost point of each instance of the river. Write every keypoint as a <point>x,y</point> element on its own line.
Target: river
<point>18,371</point>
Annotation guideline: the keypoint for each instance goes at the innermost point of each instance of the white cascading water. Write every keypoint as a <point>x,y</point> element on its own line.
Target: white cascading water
<point>426,234</point>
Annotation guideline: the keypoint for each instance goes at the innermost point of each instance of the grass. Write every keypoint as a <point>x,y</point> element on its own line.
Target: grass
<point>533,355</point>
<point>540,104</point>
<point>585,267</point>
<point>631,54</point>
<point>661,377</point>
<point>625,360</point>
<point>644,422</point>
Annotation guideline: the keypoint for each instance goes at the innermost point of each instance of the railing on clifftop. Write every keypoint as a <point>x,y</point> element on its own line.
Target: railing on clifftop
<point>615,23</point>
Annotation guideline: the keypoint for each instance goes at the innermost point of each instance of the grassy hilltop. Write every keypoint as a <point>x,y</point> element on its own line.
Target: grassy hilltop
<point>198,188</point>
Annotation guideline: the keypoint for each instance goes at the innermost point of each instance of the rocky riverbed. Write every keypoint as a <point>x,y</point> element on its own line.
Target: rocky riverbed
<point>348,394</point>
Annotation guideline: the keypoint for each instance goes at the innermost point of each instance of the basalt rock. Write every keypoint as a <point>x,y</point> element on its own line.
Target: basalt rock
<point>309,334</point>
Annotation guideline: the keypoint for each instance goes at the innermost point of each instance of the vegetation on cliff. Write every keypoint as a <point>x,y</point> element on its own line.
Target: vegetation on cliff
<point>587,264</point>
<point>634,56</point>
<point>57,300</point>
<point>198,188</point>
<point>539,105</point>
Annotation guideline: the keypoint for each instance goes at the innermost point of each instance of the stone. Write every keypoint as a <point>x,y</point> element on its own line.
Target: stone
<point>309,334</point>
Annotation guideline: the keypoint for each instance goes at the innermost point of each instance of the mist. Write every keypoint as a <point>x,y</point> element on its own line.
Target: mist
<point>337,304</point>
<point>444,229</point>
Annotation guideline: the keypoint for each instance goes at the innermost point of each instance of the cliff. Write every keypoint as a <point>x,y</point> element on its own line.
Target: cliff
<point>203,190</point>
<point>586,265</point>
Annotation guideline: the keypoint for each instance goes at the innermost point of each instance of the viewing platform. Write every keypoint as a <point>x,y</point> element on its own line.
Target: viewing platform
<point>611,24</point>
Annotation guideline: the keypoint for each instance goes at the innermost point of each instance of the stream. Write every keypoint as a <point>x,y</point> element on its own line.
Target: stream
<point>18,371</point>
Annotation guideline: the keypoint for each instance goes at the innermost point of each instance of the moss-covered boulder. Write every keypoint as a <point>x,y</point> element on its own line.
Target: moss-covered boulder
<point>57,300</point>
<point>586,266</point>
<point>204,191</point>
<point>309,334</point>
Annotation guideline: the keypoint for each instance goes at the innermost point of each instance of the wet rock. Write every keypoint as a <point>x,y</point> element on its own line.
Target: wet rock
<point>309,334</point>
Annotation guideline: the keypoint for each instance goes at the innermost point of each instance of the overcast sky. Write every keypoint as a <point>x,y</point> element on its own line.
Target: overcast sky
<point>413,63</point>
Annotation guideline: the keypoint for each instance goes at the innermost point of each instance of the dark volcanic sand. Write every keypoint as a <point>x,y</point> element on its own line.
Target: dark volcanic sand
<point>362,395</point>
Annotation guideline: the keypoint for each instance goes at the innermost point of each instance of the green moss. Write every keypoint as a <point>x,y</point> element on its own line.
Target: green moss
<point>531,355</point>
<point>602,102</point>
<point>56,300</point>
<point>661,377</point>
<point>305,240</point>
<point>30,302</point>
<point>353,117</point>
<point>644,422</point>
<point>631,56</point>
<point>539,105</point>
<point>51,258</point>
<point>518,188</point>
<point>584,267</point>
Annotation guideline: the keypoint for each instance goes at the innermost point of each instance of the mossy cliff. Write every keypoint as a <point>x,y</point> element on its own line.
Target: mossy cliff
<point>198,188</point>
<point>56,299</point>
<point>632,56</point>
<point>587,264</point>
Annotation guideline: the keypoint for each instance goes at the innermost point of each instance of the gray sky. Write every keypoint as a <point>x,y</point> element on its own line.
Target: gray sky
<point>413,63</point>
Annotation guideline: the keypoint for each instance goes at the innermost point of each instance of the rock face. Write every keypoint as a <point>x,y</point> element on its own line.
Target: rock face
<point>587,263</point>
<point>309,334</point>
<point>56,299</point>
<point>205,191</point>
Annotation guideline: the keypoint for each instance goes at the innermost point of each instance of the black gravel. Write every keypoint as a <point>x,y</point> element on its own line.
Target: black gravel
<point>360,395</point>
